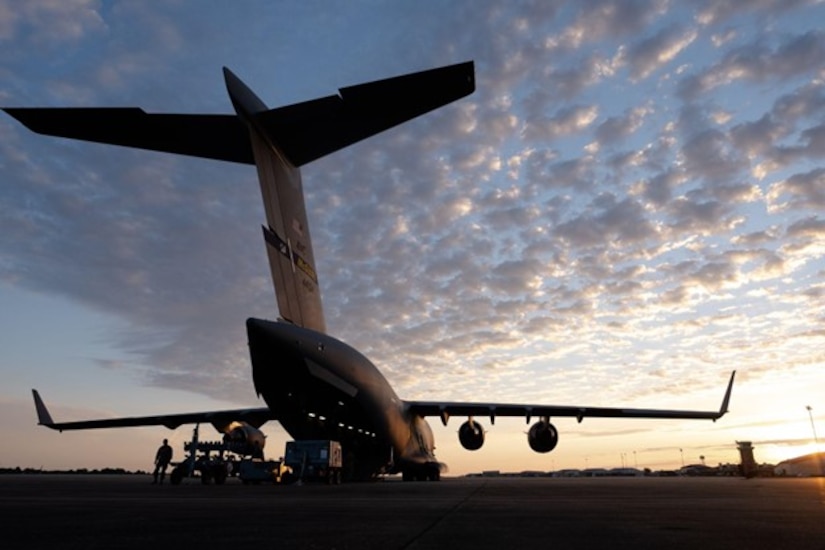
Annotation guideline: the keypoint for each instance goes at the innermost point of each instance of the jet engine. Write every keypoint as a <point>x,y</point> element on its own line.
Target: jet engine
<point>471,435</point>
<point>244,439</point>
<point>543,436</point>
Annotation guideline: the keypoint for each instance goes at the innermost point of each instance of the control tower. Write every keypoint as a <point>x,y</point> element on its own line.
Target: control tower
<point>748,464</point>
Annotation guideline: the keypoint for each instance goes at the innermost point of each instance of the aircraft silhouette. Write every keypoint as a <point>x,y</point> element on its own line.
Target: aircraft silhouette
<point>315,385</point>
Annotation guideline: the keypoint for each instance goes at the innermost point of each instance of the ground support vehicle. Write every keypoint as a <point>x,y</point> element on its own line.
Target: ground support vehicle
<point>257,470</point>
<point>313,460</point>
<point>201,461</point>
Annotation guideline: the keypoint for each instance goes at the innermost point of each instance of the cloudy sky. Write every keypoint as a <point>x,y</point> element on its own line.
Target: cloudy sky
<point>628,208</point>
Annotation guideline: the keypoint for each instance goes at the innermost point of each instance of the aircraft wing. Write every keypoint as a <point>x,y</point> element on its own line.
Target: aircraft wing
<point>447,409</point>
<point>219,419</point>
<point>304,131</point>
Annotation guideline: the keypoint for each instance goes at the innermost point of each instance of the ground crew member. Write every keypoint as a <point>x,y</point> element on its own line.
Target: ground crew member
<point>162,459</point>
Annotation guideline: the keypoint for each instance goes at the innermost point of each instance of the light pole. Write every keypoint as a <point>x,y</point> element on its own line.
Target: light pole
<point>813,428</point>
<point>816,441</point>
<point>682,454</point>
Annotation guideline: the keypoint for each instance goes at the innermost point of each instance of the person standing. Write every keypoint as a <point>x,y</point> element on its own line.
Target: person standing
<point>162,459</point>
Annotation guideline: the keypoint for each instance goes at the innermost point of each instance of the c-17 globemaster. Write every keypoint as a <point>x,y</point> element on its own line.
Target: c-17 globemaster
<point>315,385</point>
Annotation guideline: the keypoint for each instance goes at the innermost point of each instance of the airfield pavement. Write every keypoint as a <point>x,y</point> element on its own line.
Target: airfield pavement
<point>93,511</point>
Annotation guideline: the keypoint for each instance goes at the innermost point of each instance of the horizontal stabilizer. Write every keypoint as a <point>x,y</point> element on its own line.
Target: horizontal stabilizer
<point>305,131</point>
<point>221,137</point>
<point>308,131</point>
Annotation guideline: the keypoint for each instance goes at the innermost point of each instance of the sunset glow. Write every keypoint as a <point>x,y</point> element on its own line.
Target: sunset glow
<point>628,208</point>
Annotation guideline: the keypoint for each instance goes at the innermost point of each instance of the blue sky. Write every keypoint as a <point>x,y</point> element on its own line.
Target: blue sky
<point>628,208</point>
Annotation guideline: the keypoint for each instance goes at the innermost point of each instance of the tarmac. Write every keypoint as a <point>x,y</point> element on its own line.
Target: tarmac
<point>94,511</point>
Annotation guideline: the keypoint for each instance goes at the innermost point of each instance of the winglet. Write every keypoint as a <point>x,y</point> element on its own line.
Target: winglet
<point>724,408</point>
<point>43,416</point>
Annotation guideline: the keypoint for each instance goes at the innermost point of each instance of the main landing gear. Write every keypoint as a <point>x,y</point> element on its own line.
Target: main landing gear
<point>422,472</point>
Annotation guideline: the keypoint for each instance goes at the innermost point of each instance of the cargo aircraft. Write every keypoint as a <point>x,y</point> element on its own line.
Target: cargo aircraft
<point>315,385</point>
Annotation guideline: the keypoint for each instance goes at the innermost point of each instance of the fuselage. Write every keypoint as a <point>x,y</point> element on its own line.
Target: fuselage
<point>321,388</point>
<point>317,386</point>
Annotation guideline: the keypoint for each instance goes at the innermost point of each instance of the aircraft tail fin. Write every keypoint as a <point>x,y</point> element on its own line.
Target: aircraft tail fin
<point>278,141</point>
<point>284,139</point>
<point>43,416</point>
<point>287,238</point>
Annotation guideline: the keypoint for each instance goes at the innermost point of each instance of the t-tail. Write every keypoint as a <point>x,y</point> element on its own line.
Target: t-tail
<point>286,233</point>
<point>283,139</point>
<point>278,141</point>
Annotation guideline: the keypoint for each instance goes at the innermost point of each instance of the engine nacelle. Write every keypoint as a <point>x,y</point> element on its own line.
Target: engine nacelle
<point>543,437</point>
<point>246,440</point>
<point>471,435</point>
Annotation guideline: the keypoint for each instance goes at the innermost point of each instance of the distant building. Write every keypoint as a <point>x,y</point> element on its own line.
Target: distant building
<point>625,472</point>
<point>570,472</point>
<point>594,472</point>
<point>695,470</point>
<point>802,466</point>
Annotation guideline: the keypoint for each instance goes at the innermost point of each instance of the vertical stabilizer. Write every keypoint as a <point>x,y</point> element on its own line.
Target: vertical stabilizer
<point>288,137</point>
<point>288,243</point>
